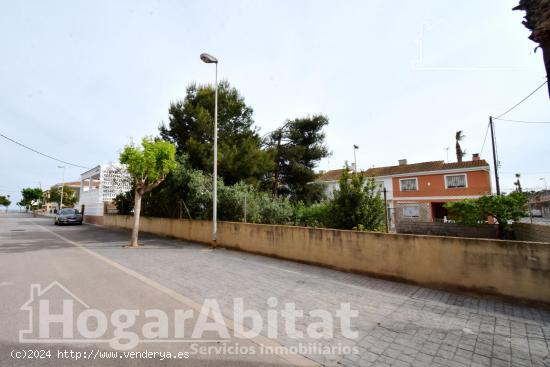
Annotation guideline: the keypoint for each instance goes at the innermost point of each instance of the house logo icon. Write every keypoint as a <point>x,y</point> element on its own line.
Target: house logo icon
<point>51,314</point>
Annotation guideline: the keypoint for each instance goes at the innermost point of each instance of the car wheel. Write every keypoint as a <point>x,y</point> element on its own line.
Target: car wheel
<point>80,223</point>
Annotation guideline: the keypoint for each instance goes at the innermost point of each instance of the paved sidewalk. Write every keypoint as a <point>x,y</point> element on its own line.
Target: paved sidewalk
<point>399,324</point>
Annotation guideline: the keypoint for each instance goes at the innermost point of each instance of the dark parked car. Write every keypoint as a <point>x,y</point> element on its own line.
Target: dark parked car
<point>67,216</point>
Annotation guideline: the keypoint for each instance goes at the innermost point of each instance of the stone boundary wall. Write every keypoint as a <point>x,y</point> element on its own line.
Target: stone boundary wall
<point>93,219</point>
<point>519,270</point>
<point>448,229</point>
<point>531,232</point>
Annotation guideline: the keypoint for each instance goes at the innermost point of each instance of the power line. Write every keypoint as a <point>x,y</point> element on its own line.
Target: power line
<point>484,139</point>
<point>43,154</point>
<point>526,173</point>
<point>522,121</point>
<point>523,100</point>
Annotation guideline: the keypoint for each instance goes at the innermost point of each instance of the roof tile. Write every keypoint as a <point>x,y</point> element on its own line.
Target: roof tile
<point>334,175</point>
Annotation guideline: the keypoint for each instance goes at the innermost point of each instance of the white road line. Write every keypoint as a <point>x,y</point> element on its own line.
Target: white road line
<point>295,359</point>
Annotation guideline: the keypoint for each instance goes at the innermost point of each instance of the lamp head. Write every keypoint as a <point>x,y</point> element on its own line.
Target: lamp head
<point>209,59</point>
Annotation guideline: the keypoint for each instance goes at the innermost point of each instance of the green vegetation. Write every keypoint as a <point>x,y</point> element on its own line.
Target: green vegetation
<point>187,193</point>
<point>314,215</point>
<point>69,196</point>
<point>5,201</point>
<point>31,198</point>
<point>191,129</point>
<point>148,165</point>
<point>271,182</point>
<point>504,208</point>
<point>357,203</point>
<point>298,147</point>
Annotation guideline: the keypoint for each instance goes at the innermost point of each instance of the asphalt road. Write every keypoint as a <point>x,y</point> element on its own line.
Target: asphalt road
<point>397,324</point>
<point>32,252</point>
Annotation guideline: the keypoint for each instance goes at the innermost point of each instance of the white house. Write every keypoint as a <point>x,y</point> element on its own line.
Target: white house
<point>101,185</point>
<point>330,180</point>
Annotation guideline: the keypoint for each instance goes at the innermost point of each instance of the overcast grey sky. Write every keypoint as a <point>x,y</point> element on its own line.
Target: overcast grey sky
<point>78,79</point>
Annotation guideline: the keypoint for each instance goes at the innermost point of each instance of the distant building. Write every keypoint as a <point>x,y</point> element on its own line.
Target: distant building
<point>418,192</point>
<point>541,201</point>
<point>99,186</point>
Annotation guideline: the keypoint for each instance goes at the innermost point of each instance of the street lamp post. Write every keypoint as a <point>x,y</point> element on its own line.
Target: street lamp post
<point>209,59</point>
<point>62,184</point>
<point>355,147</point>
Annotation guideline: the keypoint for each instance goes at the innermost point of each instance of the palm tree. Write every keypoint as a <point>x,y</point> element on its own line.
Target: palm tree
<point>459,152</point>
<point>536,20</point>
<point>517,183</point>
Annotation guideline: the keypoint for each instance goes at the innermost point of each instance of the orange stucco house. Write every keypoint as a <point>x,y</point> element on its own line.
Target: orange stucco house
<point>418,191</point>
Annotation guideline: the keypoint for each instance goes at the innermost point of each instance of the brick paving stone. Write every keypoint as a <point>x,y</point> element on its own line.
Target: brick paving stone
<point>481,360</point>
<point>398,324</point>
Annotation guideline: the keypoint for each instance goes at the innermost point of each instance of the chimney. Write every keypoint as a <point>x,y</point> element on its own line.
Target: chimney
<point>402,162</point>
<point>475,157</point>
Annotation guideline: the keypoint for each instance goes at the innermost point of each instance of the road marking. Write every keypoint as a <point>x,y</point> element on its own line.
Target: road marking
<point>295,359</point>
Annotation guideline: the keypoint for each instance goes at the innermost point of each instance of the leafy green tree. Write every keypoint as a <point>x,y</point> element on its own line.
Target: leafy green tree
<point>30,197</point>
<point>504,208</point>
<point>191,128</point>
<point>298,148</point>
<point>5,201</point>
<point>69,196</point>
<point>357,203</point>
<point>185,193</point>
<point>148,165</point>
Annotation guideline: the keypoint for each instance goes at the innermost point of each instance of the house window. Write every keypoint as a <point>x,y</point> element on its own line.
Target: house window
<point>455,181</point>
<point>411,211</point>
<point>408,184</point>
<point>380,185</point>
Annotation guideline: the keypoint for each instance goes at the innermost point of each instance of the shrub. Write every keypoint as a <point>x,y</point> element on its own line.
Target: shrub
<point>315,215</point>
<point>357,202</point>
<point>504,208</point>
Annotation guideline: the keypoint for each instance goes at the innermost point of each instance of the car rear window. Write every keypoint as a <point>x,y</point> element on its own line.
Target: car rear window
<point>68,211</point>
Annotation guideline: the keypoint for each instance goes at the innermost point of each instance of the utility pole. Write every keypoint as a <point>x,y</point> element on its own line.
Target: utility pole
<point>495,162</point>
